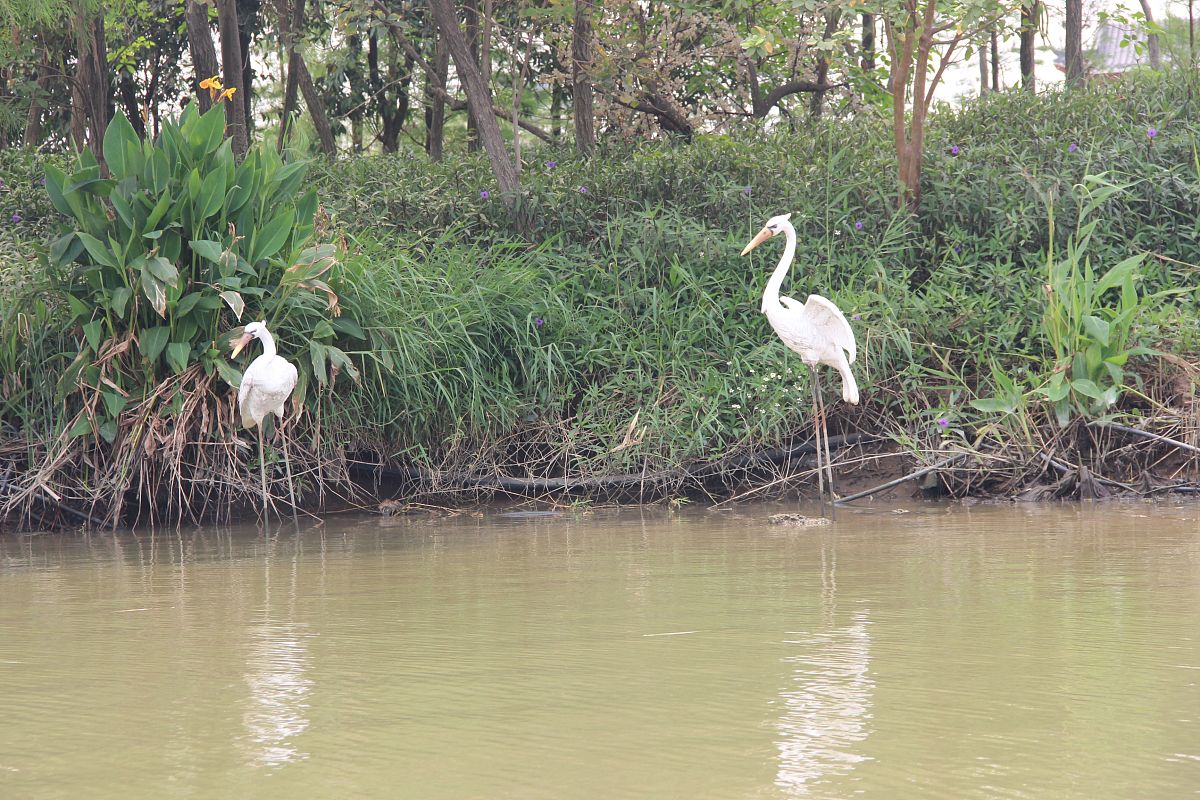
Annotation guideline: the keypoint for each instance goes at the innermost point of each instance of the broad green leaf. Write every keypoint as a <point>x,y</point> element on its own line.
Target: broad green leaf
<point>349,327</point>
<point>206,132</point>
<point>317,356</point>
<point>82,427</point>
<point>207,249</point>
<point>108,431</point>
<point>177,356</point>
<point>1118,273</point>
<point>114,403</point>
<point>323,330</point>
<point>212,194</point>
<point>993,405</point>
<point>272,235</point>
<point>151,341</point>
<point>56,181</point>
<point>120,300</point>
<point>155,292</point>
<point>235,302</point>
<point>1088,388</point>
<point>229,373</point>
<point>1097,329</point>
<point>342,361</point>
<point>193,184</point>
<point>187,303</point>
<point>156,214</point>
<point>119,134</point>
<point>98,250</point>
<point>164,270</point>
<point>92,332</point>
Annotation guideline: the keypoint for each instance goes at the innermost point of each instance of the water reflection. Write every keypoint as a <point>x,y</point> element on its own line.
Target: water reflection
<point>277,678</point>
<point>827,706</point>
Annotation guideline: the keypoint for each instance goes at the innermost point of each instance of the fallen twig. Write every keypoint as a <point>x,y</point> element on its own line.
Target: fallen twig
<point>897,481</point>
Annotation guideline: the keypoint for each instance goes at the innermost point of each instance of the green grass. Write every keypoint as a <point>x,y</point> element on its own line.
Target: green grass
<point>648,310</point>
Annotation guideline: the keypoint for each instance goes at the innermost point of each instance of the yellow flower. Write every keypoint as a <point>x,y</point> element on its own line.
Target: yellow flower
<point>227,94</point>
<point>213,85</point>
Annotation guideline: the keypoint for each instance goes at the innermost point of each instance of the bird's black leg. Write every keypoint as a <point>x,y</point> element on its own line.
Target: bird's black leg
<point>826,458</point>
<point>812,371</point>
<point>287,465</point>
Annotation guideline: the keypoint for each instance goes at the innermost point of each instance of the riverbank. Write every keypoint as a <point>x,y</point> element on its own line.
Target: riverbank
<point>625,341</point>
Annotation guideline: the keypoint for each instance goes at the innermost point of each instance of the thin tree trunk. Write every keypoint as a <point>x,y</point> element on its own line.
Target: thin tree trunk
<point>245,39</point>
<point>204,55</point>
<point>231,60</point>
<point>581,85</point>
<point>868,43</point>
<point>291,35</point>
<point>817,100</point>
<point>995,61</point>
<point>129,99</point>
<point>89,88</point>
<point>1029,26</point>
<point>1074,54</point>
<point>471,12</point>
<point>33,119</point>
<point>435,97</point>
<point>316,109</point>
<point>1152,46</point>
<point>479,100</point>
<point>984,72</point>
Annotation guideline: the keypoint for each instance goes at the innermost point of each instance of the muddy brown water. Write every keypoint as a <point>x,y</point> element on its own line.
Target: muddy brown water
<point>915,651</point>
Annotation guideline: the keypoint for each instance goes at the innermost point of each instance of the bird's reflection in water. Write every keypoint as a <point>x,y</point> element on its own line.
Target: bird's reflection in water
<point>278,708</point>
<point>827,704</point>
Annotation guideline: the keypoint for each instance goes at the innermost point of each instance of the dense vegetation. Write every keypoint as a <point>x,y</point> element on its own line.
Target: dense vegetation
<point>621,335</point>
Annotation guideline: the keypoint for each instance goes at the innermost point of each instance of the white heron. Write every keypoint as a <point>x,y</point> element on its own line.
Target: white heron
<point>816,330</point>
<point>266,386</point>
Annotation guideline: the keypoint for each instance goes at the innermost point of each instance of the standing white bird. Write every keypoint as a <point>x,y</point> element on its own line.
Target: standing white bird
<point>816,330</point>
<point>266,386</point>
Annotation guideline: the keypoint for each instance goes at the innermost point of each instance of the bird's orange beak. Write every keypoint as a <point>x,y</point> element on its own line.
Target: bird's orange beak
<point>239,344</point>
<point>763,235</point>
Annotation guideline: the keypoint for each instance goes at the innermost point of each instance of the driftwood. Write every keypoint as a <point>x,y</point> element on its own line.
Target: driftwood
<point>945,462</point>
<point>1112,426</point>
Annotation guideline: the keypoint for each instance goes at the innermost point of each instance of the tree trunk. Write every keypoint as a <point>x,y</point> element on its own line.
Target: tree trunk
<point>204,55</point>
<point>435,97</point>
<point>985,74</point>
<point>231,60</point>
<point>868,43</point>
<point>316,109</point>
<point>291,35</point>
<point>379,93</point>
<point>1029,27</point>
<point>581,85</point>
<point>129,99</point>
<point>995,61</point>
<point>1074,54</point>
<point>246,93</point>
<point>817,101</point>
<point>90,87</point>
<point>1152,46</point>
<point>471,12</point>
<point>479,100</point>
<point>33,119</point>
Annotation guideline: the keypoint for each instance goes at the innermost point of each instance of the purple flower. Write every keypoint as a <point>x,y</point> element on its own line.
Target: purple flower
<point>15,218</point>
<point>858,225</point>
<point>957,249</point>
<point>539,322</point>
<point>943,423</point>
<point>551,164</point>
<point>1,184</point>
<point>43,181</point>
<point>747,191</point>
<point>954,150</point>
<point>1071,148</point>
<point>856,317</point>
<point>583,190</point>
<point>484,195</point>
<point>1152,132</point>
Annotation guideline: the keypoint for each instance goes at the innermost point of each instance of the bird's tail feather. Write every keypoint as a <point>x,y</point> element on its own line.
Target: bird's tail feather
<point>849,387</point>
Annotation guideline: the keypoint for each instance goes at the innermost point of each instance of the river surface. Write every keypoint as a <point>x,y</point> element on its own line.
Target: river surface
<point>914,651</point>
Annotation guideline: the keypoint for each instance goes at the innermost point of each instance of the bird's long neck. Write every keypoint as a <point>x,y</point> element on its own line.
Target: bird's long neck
<point>268,343</point>
<point>771,295</point>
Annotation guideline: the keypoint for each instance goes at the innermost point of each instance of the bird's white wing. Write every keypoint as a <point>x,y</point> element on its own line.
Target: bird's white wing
<point>827,318</point>
<point>244,386</point>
